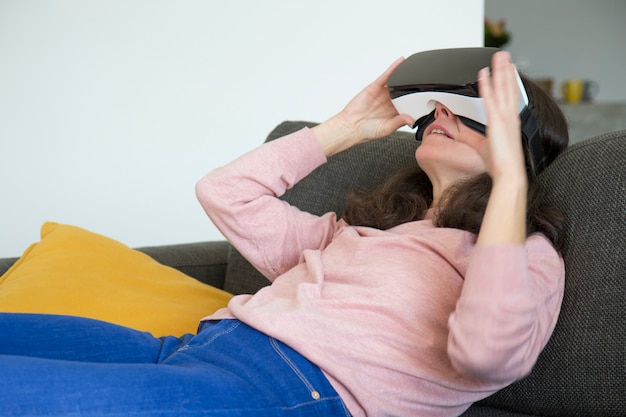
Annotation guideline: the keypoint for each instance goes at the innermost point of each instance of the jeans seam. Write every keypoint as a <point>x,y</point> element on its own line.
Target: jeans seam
<point>293,367</point>
<point>307,403</point>
<point>235,324</point>
<point>223,332</point>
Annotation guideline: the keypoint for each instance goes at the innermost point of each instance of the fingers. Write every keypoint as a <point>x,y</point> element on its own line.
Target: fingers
<point>400,121</point>
<point>500,93</point>
<point>504,81</point>
<point>499,88</point>
<point>484,87</point>
<point>382,79</point>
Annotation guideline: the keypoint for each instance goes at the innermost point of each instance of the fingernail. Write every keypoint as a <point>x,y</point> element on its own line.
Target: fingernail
<point>483,73</point>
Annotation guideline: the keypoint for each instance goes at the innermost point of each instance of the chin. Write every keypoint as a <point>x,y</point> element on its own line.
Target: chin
<point>434,159</point>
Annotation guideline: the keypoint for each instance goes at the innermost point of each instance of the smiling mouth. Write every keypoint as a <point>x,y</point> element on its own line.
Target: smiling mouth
<point>440,132</point>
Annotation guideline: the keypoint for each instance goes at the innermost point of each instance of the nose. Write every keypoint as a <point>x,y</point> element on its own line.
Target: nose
<point>442,111</point>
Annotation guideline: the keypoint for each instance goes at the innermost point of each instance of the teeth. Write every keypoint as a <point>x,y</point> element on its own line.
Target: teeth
<point>440,132</point>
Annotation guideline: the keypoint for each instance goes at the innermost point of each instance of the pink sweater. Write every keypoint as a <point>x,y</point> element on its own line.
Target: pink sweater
<point>411,321</point>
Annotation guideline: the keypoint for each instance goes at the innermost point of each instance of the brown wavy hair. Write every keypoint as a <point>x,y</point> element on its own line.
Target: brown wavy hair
<point>407,194</point>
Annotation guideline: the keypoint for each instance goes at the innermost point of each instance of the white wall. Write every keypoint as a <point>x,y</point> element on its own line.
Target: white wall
<point>568,39</point>
<point>111,110</point>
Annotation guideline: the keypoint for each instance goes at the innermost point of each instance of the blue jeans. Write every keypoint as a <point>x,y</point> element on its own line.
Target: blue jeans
<point>59,365</point>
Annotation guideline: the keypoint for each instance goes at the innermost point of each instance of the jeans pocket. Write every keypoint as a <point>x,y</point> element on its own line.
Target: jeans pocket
<point>280,349</point>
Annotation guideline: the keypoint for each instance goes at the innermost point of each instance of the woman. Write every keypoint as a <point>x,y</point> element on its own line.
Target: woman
<point>417,316</point>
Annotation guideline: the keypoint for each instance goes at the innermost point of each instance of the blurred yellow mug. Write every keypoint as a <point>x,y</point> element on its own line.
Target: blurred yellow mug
<point>573,90</point>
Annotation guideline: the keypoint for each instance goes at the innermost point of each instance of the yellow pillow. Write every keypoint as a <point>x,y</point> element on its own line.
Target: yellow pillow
<point>75,272</point>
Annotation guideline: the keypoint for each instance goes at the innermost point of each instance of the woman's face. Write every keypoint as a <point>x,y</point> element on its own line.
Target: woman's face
<point>442,156</point>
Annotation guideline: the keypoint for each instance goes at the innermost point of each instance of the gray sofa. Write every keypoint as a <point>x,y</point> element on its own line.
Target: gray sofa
<point>582,371</point>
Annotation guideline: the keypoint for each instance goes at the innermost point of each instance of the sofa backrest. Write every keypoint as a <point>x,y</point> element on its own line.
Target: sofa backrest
<point>582,371</point>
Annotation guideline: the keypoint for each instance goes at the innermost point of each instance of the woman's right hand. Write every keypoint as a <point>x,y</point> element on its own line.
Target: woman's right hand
<point>369,115</point>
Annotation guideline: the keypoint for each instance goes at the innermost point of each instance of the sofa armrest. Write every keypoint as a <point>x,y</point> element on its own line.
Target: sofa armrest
<point>5,264</point>
<point>204,261</point>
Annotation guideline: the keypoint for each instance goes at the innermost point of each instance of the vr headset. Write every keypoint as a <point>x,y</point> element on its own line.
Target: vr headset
<point>450,76</point>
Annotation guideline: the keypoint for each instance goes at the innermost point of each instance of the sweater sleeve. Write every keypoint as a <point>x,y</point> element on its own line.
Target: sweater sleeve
<point>507,310</point>
<point>241,200</point>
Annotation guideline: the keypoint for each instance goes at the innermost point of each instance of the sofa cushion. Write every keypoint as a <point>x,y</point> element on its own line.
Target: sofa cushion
<point>325,188</point>
<point>75,272</point>
<point>582,370</point>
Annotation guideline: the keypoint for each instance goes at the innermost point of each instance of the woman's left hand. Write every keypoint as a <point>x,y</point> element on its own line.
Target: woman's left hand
<point>503,150</point>
<point>504,221</point>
